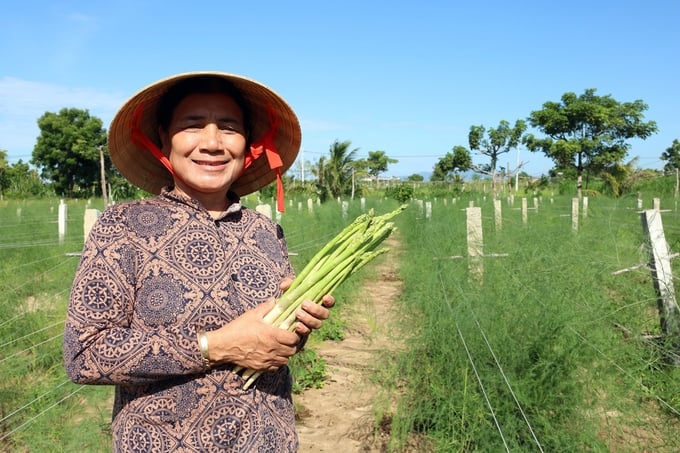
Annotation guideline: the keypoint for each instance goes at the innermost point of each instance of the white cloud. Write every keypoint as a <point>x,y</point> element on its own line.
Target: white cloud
<point>22,102</point>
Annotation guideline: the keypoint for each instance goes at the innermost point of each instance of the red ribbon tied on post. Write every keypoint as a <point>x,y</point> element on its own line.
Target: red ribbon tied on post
<point>267,145</point>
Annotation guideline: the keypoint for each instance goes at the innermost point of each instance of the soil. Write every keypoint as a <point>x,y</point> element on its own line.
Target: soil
<point>340,414</point>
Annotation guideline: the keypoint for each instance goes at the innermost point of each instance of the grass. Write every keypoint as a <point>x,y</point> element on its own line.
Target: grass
<point>35,275</point>
<point>532,357</point>
<point>40,410</point>
<point>545,352</point>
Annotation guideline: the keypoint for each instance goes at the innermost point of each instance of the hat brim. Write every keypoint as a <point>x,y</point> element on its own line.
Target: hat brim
<point>142,169</point>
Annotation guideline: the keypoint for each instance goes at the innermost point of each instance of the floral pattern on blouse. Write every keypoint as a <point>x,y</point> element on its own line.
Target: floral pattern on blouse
<point>152,274</point>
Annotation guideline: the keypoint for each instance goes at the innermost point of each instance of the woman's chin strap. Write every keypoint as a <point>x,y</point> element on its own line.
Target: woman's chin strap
<point>267,146</point>
<point>140,139</point>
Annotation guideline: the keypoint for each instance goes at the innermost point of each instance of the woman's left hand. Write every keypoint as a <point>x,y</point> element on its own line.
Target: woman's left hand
<point>310,316</point>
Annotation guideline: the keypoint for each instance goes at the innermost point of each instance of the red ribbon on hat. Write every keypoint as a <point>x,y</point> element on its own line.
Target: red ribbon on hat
<point>139,138</point>
<point>267,146</point>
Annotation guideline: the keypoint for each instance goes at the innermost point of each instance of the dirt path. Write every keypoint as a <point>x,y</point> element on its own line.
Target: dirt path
<point>340,413</point>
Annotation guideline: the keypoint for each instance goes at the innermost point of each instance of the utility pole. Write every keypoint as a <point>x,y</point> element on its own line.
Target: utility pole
<point>302,166</point>
<point>102,173</point>
<point>517,173</point>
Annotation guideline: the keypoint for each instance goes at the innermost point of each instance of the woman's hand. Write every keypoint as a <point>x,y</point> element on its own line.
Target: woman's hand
<point>310,316</point>
<point>250,342</point>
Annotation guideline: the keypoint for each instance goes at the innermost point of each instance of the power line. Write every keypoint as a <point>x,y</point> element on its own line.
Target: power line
<point>472,364</point>
<point>32,347</point>
<point>60,322</point>
<point>16,411</point>
<point>624,371</point>
<point>30,420</point>
<point>507,382</point>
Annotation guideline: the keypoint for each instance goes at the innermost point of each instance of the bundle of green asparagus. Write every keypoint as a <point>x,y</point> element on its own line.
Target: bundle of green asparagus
<point>349,251</point>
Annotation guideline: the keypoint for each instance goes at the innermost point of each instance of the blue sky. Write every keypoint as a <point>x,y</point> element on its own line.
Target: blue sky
<point>408,78</point>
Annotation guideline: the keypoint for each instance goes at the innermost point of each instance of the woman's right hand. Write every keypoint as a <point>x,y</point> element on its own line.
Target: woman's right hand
<point>250,342</point>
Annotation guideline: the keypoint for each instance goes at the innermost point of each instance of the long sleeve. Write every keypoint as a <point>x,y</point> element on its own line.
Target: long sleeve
<point>102,342</point>
<point>152,273</point>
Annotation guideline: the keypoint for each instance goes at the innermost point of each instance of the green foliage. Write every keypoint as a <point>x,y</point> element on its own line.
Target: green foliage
<point>537,340</point>
<point>651,183</point>
<point>334,174</point>
<point>449,167</point>
<point>122,189</point>
<point>308,370</point>
<point>67,151</point>
<point>494,143</point>
<point>333,329</point>
<point>588,132</point>
<point>538,186</point>
<point>20,181</point>
<point>672,156</point>
<point>400,192</point>
<point>617,179</point>
<point>35,278</point>
<point>378,162</point>
<point>566,333</point>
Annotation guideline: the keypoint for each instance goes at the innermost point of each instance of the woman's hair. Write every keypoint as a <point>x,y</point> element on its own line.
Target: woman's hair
<point>201,84</point>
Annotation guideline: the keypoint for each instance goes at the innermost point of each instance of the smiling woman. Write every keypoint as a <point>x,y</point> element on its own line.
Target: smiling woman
<point>171,293</point>
<point>205,143</point>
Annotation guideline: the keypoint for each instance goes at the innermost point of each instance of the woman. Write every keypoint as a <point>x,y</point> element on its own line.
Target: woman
<point>171,291</point>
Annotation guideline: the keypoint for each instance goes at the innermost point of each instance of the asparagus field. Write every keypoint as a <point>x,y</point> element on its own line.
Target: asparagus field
<point>545,347</point>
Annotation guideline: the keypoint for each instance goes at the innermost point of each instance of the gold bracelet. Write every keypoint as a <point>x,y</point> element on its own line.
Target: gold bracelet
<point>205,355</point>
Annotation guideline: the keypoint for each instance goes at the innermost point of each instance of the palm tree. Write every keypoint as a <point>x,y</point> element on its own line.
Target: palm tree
<point>334,175</point>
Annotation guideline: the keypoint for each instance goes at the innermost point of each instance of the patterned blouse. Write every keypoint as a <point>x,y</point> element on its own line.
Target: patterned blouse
<point>152,274</point>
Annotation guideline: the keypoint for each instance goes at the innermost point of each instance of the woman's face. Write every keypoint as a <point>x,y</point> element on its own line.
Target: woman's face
<point>205,143</point>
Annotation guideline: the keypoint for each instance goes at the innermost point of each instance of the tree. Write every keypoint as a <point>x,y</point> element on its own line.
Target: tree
<point>447,168</point>
<point>22,180</point>
<point>4,181</point>
<point>415,177</point>
<point>378,162</point>
<point>335,174</point>
<point>67,152</point>
<point>672,156</point>
<point>588,132</point>
<point>494,143</point>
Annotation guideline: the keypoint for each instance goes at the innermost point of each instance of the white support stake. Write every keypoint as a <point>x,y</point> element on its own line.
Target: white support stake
<point>660,265</point>
<point>574,214</point>
<point>585,207</point>
<point>63,214</point>
<point>475,243</point>
<point>524,211</point>
<point>90,217</point>
<point>264,209</point>
<point>497,214</point>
